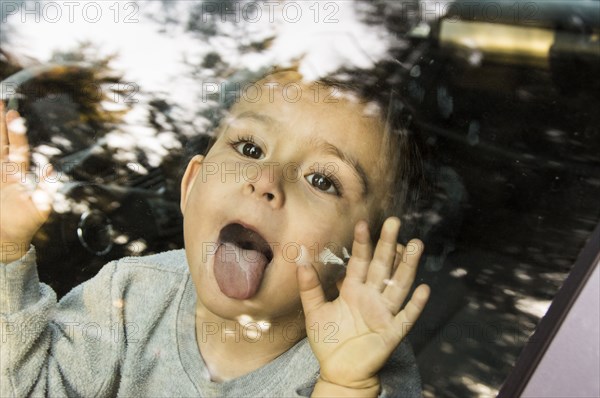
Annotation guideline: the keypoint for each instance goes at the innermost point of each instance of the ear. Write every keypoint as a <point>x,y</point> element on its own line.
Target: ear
<point>187,182</point>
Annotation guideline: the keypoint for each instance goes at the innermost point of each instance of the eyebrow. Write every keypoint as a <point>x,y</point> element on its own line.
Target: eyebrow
<point>327,147</point>
<point>250,115</point>
<point>350,161</point>
<point>256,116</point>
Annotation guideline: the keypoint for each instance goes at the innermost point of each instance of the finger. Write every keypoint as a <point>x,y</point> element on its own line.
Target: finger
<point>18,150</point>
<point>383,259</point>
<point>406,318</point>
<point>400,284</point>
<point>362,252</point>
<point>312,295</point>
<point>3,134</point>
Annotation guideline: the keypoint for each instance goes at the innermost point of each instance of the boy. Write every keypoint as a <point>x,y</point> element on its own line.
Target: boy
<point>288,185</point>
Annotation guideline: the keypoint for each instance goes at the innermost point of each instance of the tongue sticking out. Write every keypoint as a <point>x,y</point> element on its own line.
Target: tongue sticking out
<point>239,271</point>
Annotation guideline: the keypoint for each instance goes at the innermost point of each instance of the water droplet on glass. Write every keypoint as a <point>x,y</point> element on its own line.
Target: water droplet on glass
<point>415,71</point>
<point>473,134</point>
<point>475,58</point>
<point>445,102</point>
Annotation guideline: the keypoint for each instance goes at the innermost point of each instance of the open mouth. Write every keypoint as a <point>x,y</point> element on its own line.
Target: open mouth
<point>246,239</point>
<point>240,261</point>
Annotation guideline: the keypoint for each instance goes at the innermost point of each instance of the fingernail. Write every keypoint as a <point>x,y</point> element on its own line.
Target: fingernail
<point>395,221</point>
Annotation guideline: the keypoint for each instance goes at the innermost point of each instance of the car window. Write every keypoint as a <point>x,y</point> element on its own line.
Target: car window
<point>502,97</point>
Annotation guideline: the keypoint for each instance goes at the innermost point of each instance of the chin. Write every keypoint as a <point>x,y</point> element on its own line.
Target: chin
<point>263,306</point>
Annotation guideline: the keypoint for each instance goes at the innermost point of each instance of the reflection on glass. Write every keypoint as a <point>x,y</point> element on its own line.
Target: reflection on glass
<point>506,108</point>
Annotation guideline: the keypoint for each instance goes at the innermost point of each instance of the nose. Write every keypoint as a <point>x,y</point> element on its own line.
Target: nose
<point>265,183</point>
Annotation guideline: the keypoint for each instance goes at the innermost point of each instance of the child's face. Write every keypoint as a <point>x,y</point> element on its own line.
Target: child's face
<point>300,175</point>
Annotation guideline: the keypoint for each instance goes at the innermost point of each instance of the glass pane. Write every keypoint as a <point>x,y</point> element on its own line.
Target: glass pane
<point>503,97</point>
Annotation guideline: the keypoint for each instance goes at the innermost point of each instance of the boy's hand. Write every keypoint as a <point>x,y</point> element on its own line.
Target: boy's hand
<point>24,206</point>
<point>354,335</point>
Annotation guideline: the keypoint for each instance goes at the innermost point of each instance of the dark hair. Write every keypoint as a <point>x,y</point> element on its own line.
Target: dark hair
<point>404,148</point>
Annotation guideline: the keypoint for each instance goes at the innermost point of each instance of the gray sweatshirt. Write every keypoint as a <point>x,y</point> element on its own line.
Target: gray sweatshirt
<point>130,331</point>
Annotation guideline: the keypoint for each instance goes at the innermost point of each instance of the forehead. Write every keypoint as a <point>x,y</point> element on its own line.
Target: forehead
<point>314,111</point>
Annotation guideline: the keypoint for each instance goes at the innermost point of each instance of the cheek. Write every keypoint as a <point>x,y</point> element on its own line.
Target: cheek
<point>191,216</point>
<point>207,191</point>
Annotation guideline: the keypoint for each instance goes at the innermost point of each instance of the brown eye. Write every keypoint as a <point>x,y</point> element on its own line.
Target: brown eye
<point>322,183</point>
<point>250,150</point>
